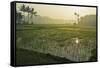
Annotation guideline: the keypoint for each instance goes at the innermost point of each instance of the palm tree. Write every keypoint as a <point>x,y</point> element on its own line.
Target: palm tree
<point>32,10</point>
<point>78,16</point>
<point>33,13</point>
<point>19,17</point>
<point>23,10</point>
<point>77,32</point>
<point>28,11</point>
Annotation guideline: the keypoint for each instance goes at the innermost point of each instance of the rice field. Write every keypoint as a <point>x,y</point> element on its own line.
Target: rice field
<point>75,43</point>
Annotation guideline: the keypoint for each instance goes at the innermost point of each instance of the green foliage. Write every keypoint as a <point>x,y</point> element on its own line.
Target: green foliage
<point>26,9</point>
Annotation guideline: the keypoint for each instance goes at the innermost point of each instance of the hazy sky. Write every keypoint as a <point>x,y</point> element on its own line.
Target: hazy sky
<point>60,12</point>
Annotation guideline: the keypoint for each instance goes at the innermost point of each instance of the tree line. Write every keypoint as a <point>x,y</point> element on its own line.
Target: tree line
<point>88,20</point>
<point>25,9</point>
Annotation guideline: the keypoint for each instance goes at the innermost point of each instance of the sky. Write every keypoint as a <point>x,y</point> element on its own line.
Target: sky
<point>59,11</point>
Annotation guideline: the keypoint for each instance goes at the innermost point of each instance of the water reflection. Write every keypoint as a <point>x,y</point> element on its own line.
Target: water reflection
<point>76,40</point>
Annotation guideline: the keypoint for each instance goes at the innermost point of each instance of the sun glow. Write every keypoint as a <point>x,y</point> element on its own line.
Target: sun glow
<point>77,40</point>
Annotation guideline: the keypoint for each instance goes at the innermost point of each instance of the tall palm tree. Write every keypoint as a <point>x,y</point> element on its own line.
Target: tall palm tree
<point>77,32</point>
<point>28,11</point>
<point>33,13</point>
<point>23,10</point>
<point>78,16</point>
<point>19,17</point>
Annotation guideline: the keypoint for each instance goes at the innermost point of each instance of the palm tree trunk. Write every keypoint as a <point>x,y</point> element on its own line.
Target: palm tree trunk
<point>24,18</point>
<point>28,17</point>
<point>32,19</point>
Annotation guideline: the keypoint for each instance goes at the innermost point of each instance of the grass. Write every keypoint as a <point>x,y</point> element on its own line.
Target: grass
<point>28,57</point>
<point>55,40</point>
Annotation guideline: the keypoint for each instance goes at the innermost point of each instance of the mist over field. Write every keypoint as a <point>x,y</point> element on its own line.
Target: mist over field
<point>47,34</point>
